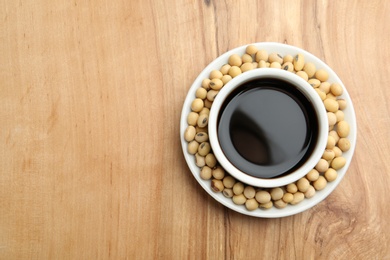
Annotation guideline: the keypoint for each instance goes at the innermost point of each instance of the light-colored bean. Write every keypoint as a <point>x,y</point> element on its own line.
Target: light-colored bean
<point>302,74</point>
<point>200,160</point>
<point>331,105</point>
<point>234,71</point>
<point>225,69</point>
<point>276,193</point>
<point>249,192</point>
<point>262,64</point>
<point>246,58</point>
<point>217,185</point>
<point>251,204</point>
<point>322,75</point>
<point>322,165</point>
<point>315,83</point>
<point>204,110</point>
<point>338,163</point>
<point>280,204</point>
<point>261,55</point>
<point>235,60</point>
<point>331,142</point>
<point>343,128</point>
<point>192,118</point>
<point>312,175</point>
<point>310,69</point>
<point>189,134</point>
<point>211,94</point>
<point>344,144</point>
<point>288,66</point>
<point>201,137</point>
<point>298,197</point>
<point>228,193</point>
<point>328,154</point>
<point>192,147</point>
<point>275,57</point>
<point>218,173</point>
<point>238,188</point>
<point>197,105</point>
<point>275,65</point>
<point>206,84</point>
<point>321,94</point>
<point>337,151</point>
<point>303,184</point>
<point>334,134</point>
<point>292,188</point>
<point>336,89</point>
<point>320,184</point>
<point>288,58</point>
<point>310,192</point>
<point>211,161</point>
<point>201,93</point>
<point>325,86</point>
<point>266,205</point>
<point>263,196</point>
<point>207,103</point>
<point>330,174</point>
<point>225,79</point>
<point>216,84</point>
<point>288,197</point>
<point>229,181</point>
<point>246,66</point>
<point>299,62</point>
<point>332,119</point>
<point>206,173</point>
<point>204,148</point>
<point>215,74</point>
<point>342,104</point>
<point>239,199</point>
<point>251,49</point>
<point>203,120</point>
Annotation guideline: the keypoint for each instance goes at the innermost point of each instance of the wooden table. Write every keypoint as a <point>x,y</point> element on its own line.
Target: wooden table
<point>91,163</point>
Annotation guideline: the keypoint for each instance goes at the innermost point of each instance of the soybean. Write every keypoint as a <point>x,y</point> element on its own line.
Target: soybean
<point>320,184</point>
<point>297,197</point>
<point>303,184</point>
<point>218,173</point>
<point>215,74</point>
<point>266,205</point>
<point>288,197</point>
<point>225,69</point>
<point>249,192</point>
<point>206,173</point>
<point>197,105</point>
<point>331,105</point>
<point>302,74</point>
<point>203,120</point>
<point>338,163</point>
<point>342,103</point>
<point>193,147</point>
<point>336,89</point>
<point>238,188</point>
<point>211,94</point>
<point>280,204</point>
<point>189,134</point>
<point>251,204</point>
<point>261,55</point>
<point>310,192</point>
<point>275,57</point>
<point>344,144</point>
<point>199,160</point>
<point>276,193</point>
<point>343,129</point>
<point>239,199</point>
<point>201,93</point>
<point>292,188</point>
<point>299,62</point>
<point>234,71</point>
<point>228,193</point>
<point>322,75</point>
<point>210,160</point>
<point>310,69</point>
<point>251,49</point>
<point>247,66</point>
<point>225,79</point>
<point>246,58</point>
<point>217,185</point>
<point>330,174</point>
<point>322,165</point>
<point>216,84</point>
<point>204,148</point>
<point>229,181</point>
<point>201,137</point>
<point>263,196</point>
<point>313,175</point>
<point>235,60</point>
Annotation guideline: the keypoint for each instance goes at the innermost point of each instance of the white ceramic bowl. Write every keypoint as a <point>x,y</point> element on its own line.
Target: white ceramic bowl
<point>349,116</point>
<point>305,88</point>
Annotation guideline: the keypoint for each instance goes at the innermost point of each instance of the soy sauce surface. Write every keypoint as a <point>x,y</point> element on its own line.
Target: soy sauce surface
<point>267,128</point>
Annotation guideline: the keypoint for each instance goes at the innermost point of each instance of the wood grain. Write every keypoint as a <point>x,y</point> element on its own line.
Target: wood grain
<point>91,164</point>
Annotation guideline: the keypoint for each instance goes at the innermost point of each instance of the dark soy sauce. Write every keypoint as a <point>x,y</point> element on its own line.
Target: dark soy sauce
<point>267,128</point>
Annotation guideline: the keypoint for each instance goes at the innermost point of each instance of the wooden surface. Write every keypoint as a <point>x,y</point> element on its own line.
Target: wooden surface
<point>90,100</point>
